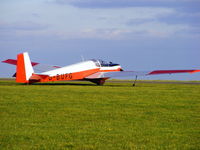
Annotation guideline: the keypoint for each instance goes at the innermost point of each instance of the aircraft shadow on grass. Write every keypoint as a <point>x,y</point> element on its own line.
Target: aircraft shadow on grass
<point>56,84</point>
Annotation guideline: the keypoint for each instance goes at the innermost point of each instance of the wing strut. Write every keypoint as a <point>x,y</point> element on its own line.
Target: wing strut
<point>134,83</point>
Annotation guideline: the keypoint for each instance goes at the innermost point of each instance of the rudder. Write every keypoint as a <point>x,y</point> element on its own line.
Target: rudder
<point>24,69</point>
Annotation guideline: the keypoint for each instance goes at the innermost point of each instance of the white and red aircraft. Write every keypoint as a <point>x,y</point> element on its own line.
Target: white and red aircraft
<point>96,71</point>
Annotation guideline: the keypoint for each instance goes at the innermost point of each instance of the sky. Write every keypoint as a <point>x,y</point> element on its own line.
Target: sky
<point>141,35</point>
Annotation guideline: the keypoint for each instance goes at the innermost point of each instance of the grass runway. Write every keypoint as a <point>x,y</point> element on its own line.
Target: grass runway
<point>83,116</point>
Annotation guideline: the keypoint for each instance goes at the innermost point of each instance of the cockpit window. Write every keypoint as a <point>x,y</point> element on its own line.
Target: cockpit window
<point>104,63</point>
<point>101,63</point>
<point>96,62</point>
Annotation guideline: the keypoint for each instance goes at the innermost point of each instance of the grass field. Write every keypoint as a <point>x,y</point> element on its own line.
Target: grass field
<point>89,117</point>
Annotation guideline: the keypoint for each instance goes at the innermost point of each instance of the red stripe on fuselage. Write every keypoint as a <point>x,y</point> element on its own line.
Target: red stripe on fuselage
<point>70,76</point>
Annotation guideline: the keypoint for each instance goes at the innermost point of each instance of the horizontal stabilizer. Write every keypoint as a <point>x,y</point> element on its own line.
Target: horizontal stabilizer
<point>36,66</point>
<point>14,62</point>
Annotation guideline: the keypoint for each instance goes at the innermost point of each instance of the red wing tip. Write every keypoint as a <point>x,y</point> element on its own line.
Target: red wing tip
<point>172,71</point>
<point>195,71</point>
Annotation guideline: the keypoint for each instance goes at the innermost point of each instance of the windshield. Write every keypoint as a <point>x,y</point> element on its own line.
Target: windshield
<point>101,63</point>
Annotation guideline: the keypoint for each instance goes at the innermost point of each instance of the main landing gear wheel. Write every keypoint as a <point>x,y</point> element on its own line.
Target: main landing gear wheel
<point>98,81</point>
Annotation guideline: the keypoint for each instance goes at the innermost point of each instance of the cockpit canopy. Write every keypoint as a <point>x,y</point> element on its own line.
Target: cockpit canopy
<point>101,63</point>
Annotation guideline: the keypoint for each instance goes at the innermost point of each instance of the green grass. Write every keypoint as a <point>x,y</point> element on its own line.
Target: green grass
<point>111,117</point>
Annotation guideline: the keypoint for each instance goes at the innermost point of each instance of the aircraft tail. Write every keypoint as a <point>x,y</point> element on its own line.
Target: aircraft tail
<point>24,68</point>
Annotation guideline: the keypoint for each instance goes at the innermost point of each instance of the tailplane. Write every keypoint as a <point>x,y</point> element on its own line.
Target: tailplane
<point>24,68</point>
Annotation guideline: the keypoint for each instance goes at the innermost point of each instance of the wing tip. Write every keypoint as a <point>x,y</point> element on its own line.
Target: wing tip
<point>194,71</point>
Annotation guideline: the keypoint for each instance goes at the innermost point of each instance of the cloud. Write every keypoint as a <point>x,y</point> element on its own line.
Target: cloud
<point>123,23</point>
<point>192,19</point>
<point>125,3</point>
<point>36,15</point>
<point>170,22</point>
<point>21,30</point>
<point>145,30</point>
<point>22,26</point>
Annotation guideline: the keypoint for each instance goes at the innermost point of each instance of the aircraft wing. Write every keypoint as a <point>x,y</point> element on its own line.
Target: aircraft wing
<point>36,66</point>
<point>136,73</point>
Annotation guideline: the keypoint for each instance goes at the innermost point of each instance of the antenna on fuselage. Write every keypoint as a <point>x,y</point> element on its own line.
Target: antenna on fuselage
<point>82,58</point>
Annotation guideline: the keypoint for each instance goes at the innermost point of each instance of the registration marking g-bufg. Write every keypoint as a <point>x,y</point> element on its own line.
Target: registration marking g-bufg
<point>66,76</point>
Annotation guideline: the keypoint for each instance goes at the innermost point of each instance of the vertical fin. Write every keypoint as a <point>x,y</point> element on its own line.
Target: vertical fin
<point>24,68</point>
